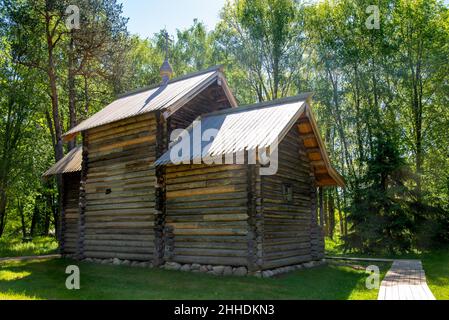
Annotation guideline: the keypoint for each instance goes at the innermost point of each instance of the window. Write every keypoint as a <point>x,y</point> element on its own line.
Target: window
<point>287,192</point>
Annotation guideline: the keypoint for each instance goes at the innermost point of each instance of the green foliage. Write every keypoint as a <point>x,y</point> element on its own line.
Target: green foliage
<point>380,98</point>
<point>264,39</point>
<point>386,82</point>
<point>380,217</point>
<point>17,248</point>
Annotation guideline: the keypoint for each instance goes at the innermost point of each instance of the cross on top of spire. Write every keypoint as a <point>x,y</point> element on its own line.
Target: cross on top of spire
<point>168,41</point>
<point>166,70</point>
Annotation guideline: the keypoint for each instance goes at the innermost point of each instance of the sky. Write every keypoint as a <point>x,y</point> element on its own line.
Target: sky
<point>147,17</point>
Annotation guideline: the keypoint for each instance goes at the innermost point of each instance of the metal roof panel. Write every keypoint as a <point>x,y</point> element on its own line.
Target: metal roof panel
<point>152,99</point>
<point>70,163</point>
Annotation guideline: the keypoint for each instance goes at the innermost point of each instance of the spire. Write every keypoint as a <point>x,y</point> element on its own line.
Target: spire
<point>166,70</point>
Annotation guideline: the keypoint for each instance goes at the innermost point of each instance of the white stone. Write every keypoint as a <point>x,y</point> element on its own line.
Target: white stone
<point>218,270</point>
<point>267,274</point>
<point>227,271</point>
<point>195,266</point>
<point>172,266</point>
<point>240,271</point>
<point>308,264</point>
<point>185,267</point>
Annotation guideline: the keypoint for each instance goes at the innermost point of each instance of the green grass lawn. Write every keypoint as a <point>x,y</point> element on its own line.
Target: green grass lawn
<point>435,263</point>
<point>46,280</point>
<point>16,248</point>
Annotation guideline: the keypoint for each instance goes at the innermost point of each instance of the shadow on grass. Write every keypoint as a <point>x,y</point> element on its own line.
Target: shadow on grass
<point>46,280</point>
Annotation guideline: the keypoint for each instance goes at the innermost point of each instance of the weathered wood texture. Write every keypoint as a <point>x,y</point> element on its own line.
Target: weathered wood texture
<point>160,211</point>
<point>207,214</point>
<point>316,231</point>
<point>120,190</point>
<point>70,216</point>
<point>287,223</point>
<point>82,197</point>
<point>211,99</point>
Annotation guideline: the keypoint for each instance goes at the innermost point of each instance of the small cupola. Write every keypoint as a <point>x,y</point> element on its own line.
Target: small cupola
<point>166,71</point>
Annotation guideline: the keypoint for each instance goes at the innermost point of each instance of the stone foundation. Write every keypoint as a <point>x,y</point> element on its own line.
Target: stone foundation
<point>210,269</point>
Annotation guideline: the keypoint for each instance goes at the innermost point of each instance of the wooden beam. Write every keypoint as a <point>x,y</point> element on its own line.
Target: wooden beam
<point>307,136</point>
<point>315,156</point>
<point>321,207</point>
<point>252,220</point>
<point>303,120</point>
<point>305,128</point>
<point>318,163</point>
<point>160,191</point>
<point>326,182</point>
<point>82,197</point>
<point>313,150</point>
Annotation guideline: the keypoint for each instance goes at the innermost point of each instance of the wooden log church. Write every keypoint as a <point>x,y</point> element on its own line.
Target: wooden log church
<point>126,198</point>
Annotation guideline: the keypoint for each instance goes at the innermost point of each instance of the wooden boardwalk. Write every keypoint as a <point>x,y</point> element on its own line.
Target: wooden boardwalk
<point>405,280</point>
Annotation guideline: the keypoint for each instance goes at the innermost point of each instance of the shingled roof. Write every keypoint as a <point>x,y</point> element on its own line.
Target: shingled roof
<point>166,98</point>
<point>253,127</point>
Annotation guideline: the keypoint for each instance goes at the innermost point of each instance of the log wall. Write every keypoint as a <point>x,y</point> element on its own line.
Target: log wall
<point>211,99</point>
<point>288,224</point>
<point>70,207</point>
<point>207,214</point>
<point>120,190</point>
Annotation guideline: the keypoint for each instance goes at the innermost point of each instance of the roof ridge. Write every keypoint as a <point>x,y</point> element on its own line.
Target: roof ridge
<point>281,101</point>
<point>180,78</point>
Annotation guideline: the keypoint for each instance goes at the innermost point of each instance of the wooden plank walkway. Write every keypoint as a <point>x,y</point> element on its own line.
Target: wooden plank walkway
<point>405,280</point>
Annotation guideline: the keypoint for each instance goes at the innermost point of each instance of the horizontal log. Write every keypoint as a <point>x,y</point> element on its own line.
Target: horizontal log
<point>118,231</point>
<point>128,256</point>
<point>230,261</point>
<point>206,184</point>
<point>145,211</point>
<point>147,245</point>
<point>205,191</point>
<point>208,217</point>
<point>171,180</point>
<point>206,225</point>
<point>271,264</point>
<point>212,245</point>
<point>115,206</point>
<point>210,238</point>
<point>209,252</point>
<point>206,211</point>
<point>208,204</point>
<point>237,196</point>
<point>212,232</point>
<point>174,171</point>
<point>99,219</point>
<point>121,123</point>
<point>121,225</point>
<point>120,237</point>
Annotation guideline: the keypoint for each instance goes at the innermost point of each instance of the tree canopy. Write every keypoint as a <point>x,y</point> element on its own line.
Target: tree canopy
<point>380,96</point>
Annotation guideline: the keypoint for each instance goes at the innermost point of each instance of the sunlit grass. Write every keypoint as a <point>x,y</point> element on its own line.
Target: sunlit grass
<point>15,296</point>
<point>16,248</point>
<point>6,275</point>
